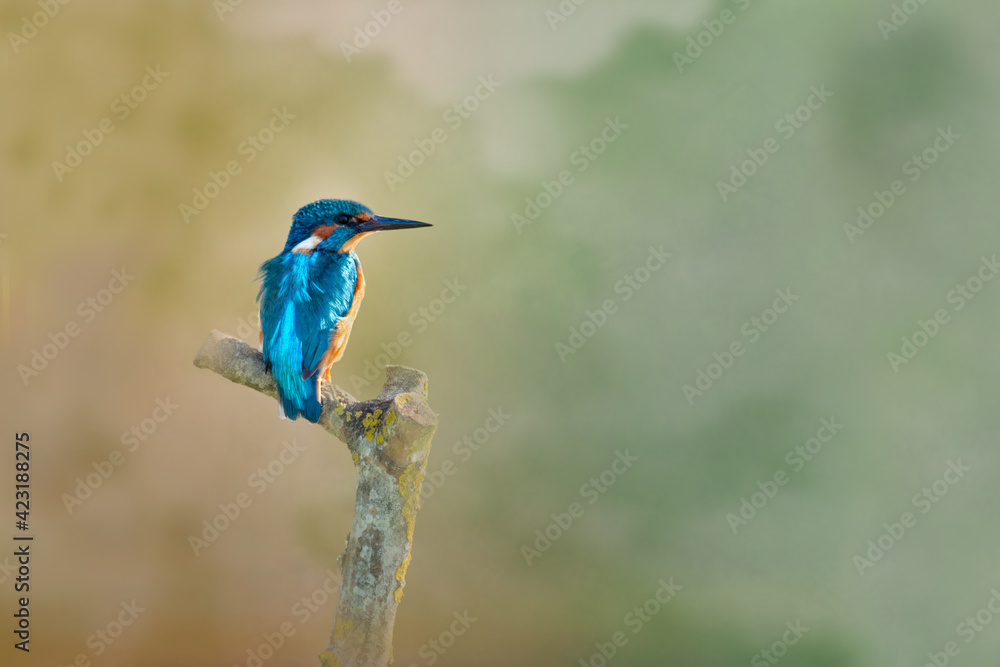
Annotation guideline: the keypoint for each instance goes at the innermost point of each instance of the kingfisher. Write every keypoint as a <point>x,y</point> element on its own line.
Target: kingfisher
<point>309,298</point>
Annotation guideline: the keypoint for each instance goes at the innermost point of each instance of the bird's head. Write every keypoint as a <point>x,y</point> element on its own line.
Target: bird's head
<point>337,225</point>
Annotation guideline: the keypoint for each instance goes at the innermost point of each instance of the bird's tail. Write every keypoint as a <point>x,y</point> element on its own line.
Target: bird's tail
<point>297,390</point>
<point>300,400</point>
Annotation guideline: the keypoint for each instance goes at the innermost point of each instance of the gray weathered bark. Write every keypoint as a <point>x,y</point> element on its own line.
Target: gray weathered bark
<point>389,438</point>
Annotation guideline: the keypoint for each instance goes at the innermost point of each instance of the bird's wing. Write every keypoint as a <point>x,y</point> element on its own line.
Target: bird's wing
<point>331,295</point>
<point>338,341</point>
<point>303,298</point>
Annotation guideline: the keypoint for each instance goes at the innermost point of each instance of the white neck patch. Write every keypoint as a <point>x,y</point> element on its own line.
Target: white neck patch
<point>308,245</point>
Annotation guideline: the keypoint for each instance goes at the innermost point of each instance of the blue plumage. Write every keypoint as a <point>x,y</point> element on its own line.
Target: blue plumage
<point>302,299</point>
<point>309,296</point>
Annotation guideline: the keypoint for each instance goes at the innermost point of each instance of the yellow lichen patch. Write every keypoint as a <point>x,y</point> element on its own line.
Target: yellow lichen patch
<point>376,426</point>
<point>401,570</point>
<point>341,628</point>
<point>410,483</point>
<point>357,414</point>
<point>401,578</point>
<point>329,659</point>
<point>356,457</point>
<point>390,418</point>
<point>370,423</point>
<point>339,409</point>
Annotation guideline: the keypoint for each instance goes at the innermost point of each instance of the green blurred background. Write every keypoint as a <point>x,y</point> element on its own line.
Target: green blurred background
<point>495,346</point>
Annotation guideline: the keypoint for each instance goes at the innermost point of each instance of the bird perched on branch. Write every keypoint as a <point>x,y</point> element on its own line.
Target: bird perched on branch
<point>309,298</point>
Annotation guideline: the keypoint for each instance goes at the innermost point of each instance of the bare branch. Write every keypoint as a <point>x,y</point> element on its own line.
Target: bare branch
<point>389,438</point>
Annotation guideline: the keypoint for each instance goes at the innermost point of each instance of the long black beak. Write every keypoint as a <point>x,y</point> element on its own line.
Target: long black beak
<point>378,224</point>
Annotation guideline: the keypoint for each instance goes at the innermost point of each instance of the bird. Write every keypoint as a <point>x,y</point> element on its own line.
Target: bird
<point>309,297</point>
